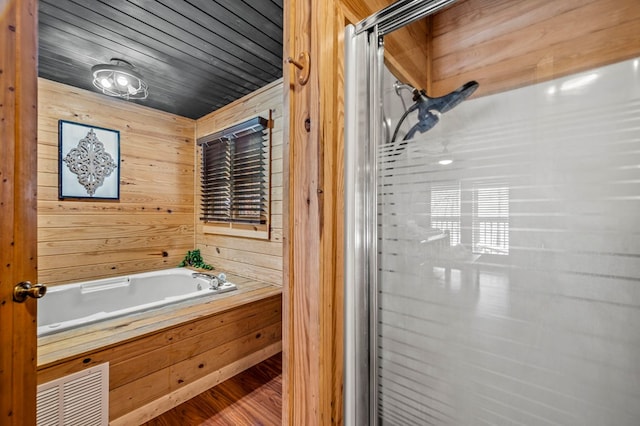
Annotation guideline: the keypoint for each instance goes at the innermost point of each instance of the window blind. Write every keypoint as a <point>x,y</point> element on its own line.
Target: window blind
<point>445,209</point>
<point>491,219</point>
<point>235,173</point>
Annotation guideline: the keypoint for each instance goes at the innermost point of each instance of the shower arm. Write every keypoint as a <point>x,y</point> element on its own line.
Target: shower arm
<point>402,118</point>
<point>398,85</point>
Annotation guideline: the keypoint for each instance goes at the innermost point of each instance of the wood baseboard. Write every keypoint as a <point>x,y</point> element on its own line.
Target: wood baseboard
<point>167,402</point>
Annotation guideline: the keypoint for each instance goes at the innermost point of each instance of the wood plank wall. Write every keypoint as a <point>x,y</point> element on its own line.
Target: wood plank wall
<point>253,258</point>
<point>505,44</point>
<point>151,226</point>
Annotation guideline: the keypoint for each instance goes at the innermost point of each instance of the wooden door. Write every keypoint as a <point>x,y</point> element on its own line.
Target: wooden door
<point>18,220</point>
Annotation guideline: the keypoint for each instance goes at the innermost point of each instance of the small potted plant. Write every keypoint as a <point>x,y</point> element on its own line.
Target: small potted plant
<point>194,259</point>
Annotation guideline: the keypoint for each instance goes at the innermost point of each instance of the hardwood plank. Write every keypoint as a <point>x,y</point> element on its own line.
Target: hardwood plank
<point>163,250</point>
<point>133,184</point>
<point>237,322</point>
<point>273,276</point>
<point>531,30</point>
<point>46,193</point>
<point>82,26</point>
<point>161,405</point>
<point>256,103</point>
<point>269,32</point>
<point>250,316</point>
<point>80,220</point>
<point>211,360</point>
<point>61,101</point>
<point>253,397</point>
<point>277,193</point>
<point>132,395</point>
<point>172,148</point>
<point>272,248</point>
<point>221,254</point>
<point>57,235</point>
<point>305,162</point>
<point>530,42</point>
<point>70,206</point>
<point>60,247</point>
<point>204,38</point>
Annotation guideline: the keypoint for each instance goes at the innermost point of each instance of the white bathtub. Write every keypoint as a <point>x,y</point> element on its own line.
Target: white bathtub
<point>72,305</point>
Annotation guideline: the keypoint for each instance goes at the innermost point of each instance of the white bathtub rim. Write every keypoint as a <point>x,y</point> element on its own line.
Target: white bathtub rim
<point>49,329</point>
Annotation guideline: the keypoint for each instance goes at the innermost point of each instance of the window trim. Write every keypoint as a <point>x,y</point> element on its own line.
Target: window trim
<point>231,227</point>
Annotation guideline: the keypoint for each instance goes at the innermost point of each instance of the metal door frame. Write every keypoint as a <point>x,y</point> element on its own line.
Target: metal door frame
<point>364,62</point>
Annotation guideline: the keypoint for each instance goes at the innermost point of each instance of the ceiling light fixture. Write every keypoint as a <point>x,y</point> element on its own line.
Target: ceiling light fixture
<point>120,79</point>
<point>445,158</point>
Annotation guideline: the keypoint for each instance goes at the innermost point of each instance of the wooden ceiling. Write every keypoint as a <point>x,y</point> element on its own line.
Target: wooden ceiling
<point>196,55</point>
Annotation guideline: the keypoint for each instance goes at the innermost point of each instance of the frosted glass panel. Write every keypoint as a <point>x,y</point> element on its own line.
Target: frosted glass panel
<point>509,280</point>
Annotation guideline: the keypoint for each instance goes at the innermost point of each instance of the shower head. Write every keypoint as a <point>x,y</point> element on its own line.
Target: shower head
<point>430,109</point>
<point>447,102</point>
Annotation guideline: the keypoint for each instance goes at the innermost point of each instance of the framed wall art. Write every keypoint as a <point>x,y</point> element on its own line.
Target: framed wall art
<point>89,161</point>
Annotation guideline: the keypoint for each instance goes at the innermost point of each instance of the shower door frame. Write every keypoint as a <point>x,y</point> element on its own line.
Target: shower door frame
<point>364,62</point>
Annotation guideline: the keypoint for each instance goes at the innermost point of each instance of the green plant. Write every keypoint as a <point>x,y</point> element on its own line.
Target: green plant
<point>194,258</point>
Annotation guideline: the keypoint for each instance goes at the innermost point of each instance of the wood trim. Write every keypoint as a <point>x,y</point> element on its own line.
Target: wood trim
<point>18,249</point>
<point>312,330</point>
<point>177,397</point>
<point>331,128</point>
<point>287,210</point>
<point>300,292</point>
<point>260,232</point>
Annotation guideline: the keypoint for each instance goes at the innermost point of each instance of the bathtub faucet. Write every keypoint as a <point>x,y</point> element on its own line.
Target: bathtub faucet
<point>214,281</point>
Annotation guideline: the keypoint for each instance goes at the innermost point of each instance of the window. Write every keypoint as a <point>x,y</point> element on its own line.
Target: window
<point>487,226</point>
<point>235,177</point>
<point>491,219</point>
<point>445,209</point>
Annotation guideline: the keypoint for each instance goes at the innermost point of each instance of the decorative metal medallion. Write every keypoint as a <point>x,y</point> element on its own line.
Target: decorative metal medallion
<point>90,162</point>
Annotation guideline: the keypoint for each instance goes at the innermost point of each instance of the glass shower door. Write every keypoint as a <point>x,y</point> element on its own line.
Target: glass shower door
<point>492,261</point>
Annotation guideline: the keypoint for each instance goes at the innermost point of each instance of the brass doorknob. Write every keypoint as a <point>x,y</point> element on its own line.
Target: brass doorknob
<point>26,289</point>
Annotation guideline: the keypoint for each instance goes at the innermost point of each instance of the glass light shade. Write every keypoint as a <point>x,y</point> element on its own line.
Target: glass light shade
<point>119,79</point>
<point>445,158</point>
<point>122,80</point>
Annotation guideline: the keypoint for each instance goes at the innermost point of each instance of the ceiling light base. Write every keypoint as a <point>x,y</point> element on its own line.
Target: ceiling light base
<point>119,79</point>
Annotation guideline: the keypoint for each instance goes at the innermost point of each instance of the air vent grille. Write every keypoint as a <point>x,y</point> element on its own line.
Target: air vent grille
<point>80,399</point>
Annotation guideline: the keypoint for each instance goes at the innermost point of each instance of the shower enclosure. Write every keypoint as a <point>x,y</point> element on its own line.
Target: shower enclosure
<point>492,262</point>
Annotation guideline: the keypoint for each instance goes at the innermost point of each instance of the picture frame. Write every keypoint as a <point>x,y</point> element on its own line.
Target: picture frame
<point>88,162</point>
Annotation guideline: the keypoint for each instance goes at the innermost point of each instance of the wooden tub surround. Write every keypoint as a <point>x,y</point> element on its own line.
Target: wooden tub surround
<point>161,358</point>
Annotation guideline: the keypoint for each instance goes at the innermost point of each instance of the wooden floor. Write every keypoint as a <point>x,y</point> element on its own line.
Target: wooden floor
<point>253,397</point>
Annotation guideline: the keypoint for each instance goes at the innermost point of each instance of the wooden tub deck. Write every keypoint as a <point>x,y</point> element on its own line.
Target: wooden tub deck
<point>161,358</point>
